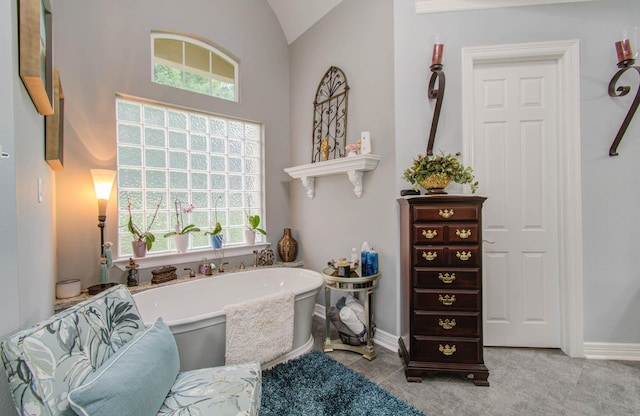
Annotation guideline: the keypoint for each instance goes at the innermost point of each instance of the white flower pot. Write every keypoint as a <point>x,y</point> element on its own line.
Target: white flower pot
<point>182,242</point>
<point>249,237</point>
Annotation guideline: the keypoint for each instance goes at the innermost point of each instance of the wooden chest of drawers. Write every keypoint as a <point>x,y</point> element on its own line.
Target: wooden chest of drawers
<point>441,286</point>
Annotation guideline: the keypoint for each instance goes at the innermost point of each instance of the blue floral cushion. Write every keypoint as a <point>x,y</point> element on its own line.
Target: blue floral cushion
<point>134,381</point>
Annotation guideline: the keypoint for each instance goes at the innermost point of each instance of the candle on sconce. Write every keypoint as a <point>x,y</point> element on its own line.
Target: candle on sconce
<point>623,50</point>
<point>436,57</point>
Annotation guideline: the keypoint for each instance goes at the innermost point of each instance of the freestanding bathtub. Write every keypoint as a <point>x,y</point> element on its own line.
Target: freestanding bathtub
<point>194,310</point>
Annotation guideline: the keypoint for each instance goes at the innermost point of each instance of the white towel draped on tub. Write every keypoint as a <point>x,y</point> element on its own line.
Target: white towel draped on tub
<point>259,329</point>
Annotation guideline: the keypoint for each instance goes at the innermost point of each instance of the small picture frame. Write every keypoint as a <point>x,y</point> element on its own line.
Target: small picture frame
<point>36,57</point>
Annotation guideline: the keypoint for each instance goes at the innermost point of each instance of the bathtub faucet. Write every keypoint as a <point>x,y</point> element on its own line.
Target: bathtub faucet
<point>255,258</point>
<point>221,267</point>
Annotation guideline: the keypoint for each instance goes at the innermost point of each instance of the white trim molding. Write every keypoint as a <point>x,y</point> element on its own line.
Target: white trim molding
<point>441,6</point>
<point>567,58</point>
<point>612,351</point>
<point>381,338</point>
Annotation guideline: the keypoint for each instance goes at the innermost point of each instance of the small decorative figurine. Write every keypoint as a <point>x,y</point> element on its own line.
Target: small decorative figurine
<point>104,271</point>
<point>324,149</point>
<point>132,277</point>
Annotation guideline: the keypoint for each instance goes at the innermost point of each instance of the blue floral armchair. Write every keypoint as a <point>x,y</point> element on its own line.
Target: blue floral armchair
<point>49,363</point>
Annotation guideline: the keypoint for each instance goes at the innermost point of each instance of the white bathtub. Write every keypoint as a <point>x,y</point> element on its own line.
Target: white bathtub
<point>194,310</point>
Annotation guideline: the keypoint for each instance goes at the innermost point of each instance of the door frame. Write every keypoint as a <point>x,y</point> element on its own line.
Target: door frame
<point>567,58</point>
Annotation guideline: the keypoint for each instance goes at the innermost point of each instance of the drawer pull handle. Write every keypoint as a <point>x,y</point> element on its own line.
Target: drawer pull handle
<point>447,324</point>
<point>447,300</point>
<point>447,350</point>
<point>463,256</point>
<point>429,234</point>
<point>429,256</point>
<point>446,213</point>
<point>447,278</point>
<point>463,234</point>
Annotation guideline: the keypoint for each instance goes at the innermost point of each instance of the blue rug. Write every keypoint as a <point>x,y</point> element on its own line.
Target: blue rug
<point>317,385</point>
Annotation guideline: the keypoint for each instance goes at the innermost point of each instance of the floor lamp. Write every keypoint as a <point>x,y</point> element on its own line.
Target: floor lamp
<point>103,182</point>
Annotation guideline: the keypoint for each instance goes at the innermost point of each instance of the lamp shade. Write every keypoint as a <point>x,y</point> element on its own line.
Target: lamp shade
<point>103,182</point>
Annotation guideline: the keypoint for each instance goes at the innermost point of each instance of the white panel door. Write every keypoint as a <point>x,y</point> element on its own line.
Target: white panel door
<point>515,134</point>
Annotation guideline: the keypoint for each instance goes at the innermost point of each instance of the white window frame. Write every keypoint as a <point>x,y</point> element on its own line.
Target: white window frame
<point>212,48</point>
<point>154,259</point>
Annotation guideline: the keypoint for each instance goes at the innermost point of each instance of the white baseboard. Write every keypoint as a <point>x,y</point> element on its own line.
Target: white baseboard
<point>382,338</point>
<point>612,351</point>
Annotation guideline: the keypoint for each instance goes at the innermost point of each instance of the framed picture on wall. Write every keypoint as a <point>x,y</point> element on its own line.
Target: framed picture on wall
<point>36,57</point>
<point>54,124</point>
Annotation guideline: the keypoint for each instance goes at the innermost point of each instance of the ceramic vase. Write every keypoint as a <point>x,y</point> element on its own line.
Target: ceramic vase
<point>287,247</point>
<point>249,237</point>
<point>216,241</point>
<point>182,242</point>
<point>139,248</point>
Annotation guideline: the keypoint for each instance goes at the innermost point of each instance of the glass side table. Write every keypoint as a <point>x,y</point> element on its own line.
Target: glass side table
<point>364,285</point>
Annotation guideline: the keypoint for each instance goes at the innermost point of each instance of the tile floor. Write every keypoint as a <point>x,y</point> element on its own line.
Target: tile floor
<point>523,382</point>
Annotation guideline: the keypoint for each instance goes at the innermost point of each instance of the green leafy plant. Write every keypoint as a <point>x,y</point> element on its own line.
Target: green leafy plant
<point>180,227</point>
<point>216,230</point>
<point>137,232</point>
<point>254,222</point>
<point>439,165</point>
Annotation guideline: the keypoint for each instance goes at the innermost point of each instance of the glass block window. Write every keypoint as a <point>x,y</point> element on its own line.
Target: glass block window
<point>193,65</point>
<point>167,154</point>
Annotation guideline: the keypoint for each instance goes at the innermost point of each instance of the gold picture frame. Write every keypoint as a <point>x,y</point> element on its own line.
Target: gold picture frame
<point>36,63</point>
<point>54,123</point>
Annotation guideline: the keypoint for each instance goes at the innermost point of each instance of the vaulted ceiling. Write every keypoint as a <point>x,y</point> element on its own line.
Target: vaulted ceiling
<point>296,16</point>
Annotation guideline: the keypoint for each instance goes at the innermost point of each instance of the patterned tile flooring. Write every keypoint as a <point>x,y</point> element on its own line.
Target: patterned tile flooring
<point>523,382</point>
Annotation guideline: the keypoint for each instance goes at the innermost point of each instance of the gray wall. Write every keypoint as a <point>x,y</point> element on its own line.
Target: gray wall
<point>103,48</point>
<point>356,36</point>
<point>27,246</point>
<point>610,195</point>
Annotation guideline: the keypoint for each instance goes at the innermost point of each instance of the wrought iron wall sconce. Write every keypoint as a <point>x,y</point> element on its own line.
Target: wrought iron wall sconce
<point>437,93</point>
<point>626,61</point>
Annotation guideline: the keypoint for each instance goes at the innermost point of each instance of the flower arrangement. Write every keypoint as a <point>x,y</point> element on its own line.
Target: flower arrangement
<point>441,166</point>
<point>181,229</point>
<point>351,147</point>
<point>137,232</point>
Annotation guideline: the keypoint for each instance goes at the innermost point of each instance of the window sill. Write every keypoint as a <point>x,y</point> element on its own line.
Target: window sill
<point>195,255</point>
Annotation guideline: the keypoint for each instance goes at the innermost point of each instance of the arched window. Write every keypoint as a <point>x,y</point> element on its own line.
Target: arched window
<point>194,65</point>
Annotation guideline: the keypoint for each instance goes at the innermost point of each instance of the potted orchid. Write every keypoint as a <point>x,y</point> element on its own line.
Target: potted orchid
<point>216,232</point>
<point>181,234</point>
<point>142,239</point>
<point>253,222</point>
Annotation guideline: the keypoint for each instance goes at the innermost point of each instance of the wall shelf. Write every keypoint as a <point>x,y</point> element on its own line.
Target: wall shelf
<point>354,167</point>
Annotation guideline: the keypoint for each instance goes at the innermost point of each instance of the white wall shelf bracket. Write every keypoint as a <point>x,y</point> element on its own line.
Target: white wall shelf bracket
<point>354,167</point>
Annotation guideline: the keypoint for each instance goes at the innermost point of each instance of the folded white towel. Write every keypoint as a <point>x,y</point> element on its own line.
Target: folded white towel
<point>349,318</point>
<point>356,307</point>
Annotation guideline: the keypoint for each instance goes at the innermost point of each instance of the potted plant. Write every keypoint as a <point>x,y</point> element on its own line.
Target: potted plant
<point>253,221</point>
<point>181,234</point>
<point>216,235</point>
<point>142,239</point>
<point>435,172</point>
